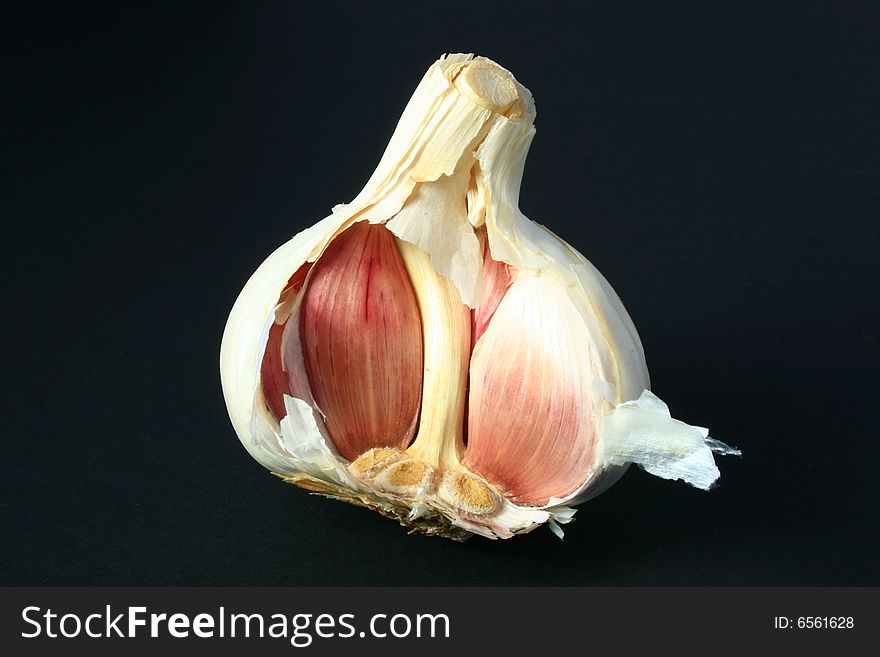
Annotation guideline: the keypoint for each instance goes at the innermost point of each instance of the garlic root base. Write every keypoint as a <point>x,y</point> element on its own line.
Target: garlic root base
<point>430,524</point>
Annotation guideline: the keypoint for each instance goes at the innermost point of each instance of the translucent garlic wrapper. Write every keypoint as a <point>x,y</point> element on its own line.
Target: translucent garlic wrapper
<point>428,352</point>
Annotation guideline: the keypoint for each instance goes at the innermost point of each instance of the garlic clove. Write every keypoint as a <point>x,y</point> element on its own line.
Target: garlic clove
<point>531,415</point>
<point>359,341</point>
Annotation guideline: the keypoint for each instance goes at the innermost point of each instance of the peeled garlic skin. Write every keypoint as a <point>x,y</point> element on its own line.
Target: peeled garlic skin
<point>457,158</point>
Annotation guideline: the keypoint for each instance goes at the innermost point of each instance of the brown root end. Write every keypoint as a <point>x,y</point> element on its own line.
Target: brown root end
<point>468,494</point>
<point>373,460</point>
<point>431,524</point>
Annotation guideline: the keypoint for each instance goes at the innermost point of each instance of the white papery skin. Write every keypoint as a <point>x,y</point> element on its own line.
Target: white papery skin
<point>560,343</point>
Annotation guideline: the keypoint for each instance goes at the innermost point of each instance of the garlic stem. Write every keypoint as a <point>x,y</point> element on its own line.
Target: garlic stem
<point>488,85</point>
<point>446,330</point>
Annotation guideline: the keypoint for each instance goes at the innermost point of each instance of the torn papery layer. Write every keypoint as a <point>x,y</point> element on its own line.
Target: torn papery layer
<point>643,432</point>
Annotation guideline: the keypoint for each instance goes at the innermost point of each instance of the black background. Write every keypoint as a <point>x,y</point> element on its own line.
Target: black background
<point>721,166</point>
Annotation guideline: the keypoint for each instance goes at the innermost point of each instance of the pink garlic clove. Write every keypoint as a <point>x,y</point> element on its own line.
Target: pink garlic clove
<point>362,341</point>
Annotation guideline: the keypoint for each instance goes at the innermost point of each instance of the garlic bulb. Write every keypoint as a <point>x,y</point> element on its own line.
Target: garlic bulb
<point>428,352</point>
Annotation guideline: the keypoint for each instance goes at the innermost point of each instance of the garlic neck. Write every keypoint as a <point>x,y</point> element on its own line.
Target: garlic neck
<point>492,87</point>
<point>446,330</point>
